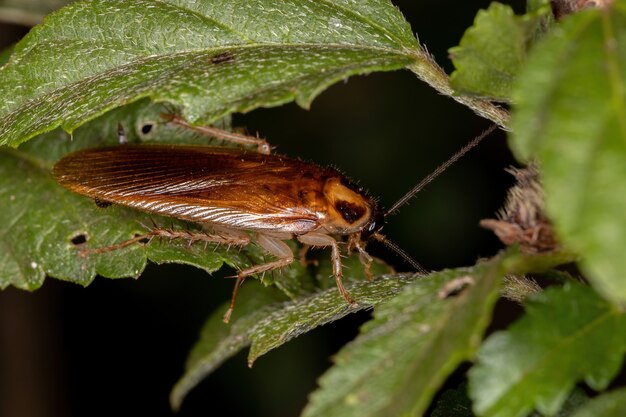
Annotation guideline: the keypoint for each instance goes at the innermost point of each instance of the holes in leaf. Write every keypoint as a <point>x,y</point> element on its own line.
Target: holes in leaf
<point>79,239</point>
<point>455,287</point>
<point>146,128</point>
<point>144,241</point>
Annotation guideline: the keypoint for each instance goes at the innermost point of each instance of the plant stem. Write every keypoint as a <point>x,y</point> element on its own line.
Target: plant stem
<point>430,72</point>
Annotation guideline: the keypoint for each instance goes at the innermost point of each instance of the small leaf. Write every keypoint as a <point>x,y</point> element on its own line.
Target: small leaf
<point>323,307</point>
<point>415,341</point>
<point>537,5</point>
<point>570,113</point>
<point>261,318</point>
<point>219,341</point>
<point>568,334</point>
<point>611,404</point>
<point>210,58</point>
<point>492,52</point>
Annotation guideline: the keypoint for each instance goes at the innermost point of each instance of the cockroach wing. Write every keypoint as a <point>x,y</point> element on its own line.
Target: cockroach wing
<point>228,187</point>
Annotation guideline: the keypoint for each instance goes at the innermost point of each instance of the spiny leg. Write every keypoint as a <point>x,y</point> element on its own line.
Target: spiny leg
<point>191,236</point>
<point>366,260</point>
<point>302,255</point>
<point>273,246</point>
<point>322,240</point>
<point>262,146</point>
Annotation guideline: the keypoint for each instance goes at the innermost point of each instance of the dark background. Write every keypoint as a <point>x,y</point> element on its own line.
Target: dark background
<point>118,346</point>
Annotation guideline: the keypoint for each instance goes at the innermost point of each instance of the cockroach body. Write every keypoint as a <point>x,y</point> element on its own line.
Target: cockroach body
<point>242,197</point>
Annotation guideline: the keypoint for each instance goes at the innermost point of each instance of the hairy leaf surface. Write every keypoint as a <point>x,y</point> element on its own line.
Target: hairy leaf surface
<point>210,58</point>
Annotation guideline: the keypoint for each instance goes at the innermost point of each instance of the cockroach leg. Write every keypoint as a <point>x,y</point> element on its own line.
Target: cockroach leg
<point>101,203</point>
<point>262,146</point>
<point>321,240</point>
<point>302,255</point>
<point>117,246</point>
<point>355,242</point>
<point>366,261</point>
<point>303,260</point>
<point>233,298</point>
<point>273,246</point>
<point>191,237</point>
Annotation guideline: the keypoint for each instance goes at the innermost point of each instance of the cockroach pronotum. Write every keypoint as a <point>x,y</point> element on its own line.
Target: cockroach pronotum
<point>241,197</point>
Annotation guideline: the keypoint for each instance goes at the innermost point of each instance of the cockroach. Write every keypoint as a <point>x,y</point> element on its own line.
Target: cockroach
<point>241,197</point>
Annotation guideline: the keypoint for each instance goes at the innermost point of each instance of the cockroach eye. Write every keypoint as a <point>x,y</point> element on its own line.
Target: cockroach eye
<point>374,225</point>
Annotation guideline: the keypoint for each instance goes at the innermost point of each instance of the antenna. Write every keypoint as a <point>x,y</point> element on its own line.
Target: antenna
<point>398,250</point>
<point>438,171</point>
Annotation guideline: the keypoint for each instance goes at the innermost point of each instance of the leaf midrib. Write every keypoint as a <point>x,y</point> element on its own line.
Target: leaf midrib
<point>145,59</point>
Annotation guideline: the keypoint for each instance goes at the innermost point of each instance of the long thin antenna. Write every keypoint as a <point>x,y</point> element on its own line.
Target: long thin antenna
<point>397,249</point>
<point>440,169</point>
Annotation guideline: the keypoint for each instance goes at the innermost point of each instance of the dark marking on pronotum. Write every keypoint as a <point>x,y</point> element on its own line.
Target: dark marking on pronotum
<point>349,211</point>
<point>222,58</point>
<point>79,239</point>
<point>101,203</point>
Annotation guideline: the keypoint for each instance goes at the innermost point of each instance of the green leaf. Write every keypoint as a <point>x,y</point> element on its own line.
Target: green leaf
<point>542,9</point>
<point>577,398</point>
<point>220,341</point>
<point>324,307</point>
<point>568,334</point>
<point>492,52</point>
<point>537,5</point>
<point>611,404</point>
<point>210,58</point>
<point>413,343</point>
<point>570,114</point>
<point>262,319</point>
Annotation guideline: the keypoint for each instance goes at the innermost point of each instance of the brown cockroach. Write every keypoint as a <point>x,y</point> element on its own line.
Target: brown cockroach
<point>241,196</point>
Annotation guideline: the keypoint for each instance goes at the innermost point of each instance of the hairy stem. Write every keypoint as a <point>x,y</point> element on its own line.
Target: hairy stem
<point>430,72</point>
